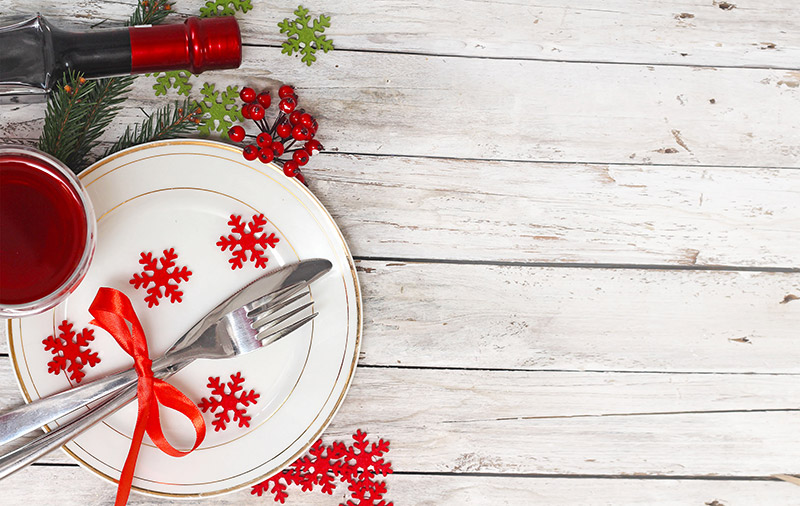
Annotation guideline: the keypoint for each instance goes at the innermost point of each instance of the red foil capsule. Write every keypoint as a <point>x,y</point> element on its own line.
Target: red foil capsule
<point>196,45</point>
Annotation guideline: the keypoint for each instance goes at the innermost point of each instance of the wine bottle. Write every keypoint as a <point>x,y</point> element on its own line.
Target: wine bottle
<point>34,54</point>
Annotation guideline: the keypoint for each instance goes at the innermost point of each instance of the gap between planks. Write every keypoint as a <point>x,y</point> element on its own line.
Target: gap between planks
<point>335,152</point>
<point>565,371</point>
<point>102,145</point>
<point>573,371</point>
<point>580,265</point>
<point>473,474</point>
<point>547,60</point>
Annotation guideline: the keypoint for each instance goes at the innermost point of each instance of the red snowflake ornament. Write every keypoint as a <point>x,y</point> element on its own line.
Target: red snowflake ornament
<point>319,467</point>
<point>71,351</point>
<point>228,402</point>
<point>251,238</point>
<point>367,493</point>
<point>357,465</point>
<point>278,487</point>
<point>363,461</point>
<point>165,279</point>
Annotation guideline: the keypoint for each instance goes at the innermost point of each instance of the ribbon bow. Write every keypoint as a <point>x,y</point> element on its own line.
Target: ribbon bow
<point>112,311</point>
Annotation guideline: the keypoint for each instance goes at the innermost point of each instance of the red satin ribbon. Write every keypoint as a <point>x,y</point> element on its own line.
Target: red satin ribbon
<point>112,311</point>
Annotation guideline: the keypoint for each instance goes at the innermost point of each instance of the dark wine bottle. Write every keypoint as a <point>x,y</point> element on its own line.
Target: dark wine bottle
<point>34,54</point>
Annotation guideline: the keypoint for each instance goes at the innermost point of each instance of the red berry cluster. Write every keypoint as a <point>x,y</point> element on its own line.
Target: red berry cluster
<point>276,140</point>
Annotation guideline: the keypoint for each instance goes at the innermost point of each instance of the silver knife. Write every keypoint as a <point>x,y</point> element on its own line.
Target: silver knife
<point>23,419</point>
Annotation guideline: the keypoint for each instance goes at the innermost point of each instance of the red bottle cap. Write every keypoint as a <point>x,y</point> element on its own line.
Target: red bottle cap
<point>196,45</point>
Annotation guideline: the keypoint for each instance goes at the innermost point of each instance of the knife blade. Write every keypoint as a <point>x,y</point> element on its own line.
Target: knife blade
<point>23,419</point>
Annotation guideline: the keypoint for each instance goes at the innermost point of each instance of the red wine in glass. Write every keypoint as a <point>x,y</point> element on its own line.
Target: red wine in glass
<point>46,231</point>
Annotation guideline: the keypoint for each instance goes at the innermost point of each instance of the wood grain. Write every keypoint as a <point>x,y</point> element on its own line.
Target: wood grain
<point>577,213</point>
<point>690,32</point>
<point>481,156</point>
<point>569,423</point>
<point>549,318</point>
<point>434,491</point>
<point>477,316</point>
<point>395,104</point>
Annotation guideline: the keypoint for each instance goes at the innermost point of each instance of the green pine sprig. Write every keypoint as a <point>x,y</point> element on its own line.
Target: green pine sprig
<point>104,101</point>
<point>67,108</point>
<point>169,121</point>
<point>150,12</point>
<point>79,111</point>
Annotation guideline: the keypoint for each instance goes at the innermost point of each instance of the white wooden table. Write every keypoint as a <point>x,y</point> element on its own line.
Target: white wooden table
<point>577,228</point>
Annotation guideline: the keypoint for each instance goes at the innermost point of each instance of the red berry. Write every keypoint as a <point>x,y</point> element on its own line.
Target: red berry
<point>288,104</point>
<point>264,140</point>
<point>277,148</point>
<point>294,117</point>
<point>250,152</point>
<point>313,127</point>
<point>306,120</point>
<point>246,111</point>
<point>301,157</point>
<point>289,168</point>
<point>300,177</point>
<point>247,95</point>
<point>256,112</point>
<point>236,133</point>
<point>286,91</point>
<point>284,130</point>
<point>313,146</point>
<point>265,155</point>
<point>300,133</point>
<point>264,99</point>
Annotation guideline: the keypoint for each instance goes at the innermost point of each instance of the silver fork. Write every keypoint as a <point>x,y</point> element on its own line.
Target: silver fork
<point>208,338</point>
<point>240,331</point>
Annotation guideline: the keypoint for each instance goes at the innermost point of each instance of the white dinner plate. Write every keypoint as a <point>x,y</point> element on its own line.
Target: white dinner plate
<point>180,195</point>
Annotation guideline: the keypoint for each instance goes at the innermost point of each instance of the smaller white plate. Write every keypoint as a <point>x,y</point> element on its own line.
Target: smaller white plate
<point>181,194</point>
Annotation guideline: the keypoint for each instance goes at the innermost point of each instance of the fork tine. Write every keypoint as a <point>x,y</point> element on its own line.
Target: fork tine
<point>260,325</point>
<point>270,336</point>
<point>273,307</point>
<point>276,296</point>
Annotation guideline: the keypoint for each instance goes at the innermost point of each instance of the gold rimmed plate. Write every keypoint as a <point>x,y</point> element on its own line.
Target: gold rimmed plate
<point>180,196</point>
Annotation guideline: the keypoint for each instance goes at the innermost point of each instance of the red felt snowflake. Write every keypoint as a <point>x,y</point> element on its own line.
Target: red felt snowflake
<point>71,351</point>
<point>165,279</point>
<point>357,465</point>
<point>251,238</point>
<point>229,402</point>
<point>367,493</point>
<point>364,462</point>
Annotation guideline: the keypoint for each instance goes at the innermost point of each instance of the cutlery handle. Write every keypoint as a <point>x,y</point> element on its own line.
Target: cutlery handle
<point>23,419</point>
<point>45,443</point>
<point>15,460</point>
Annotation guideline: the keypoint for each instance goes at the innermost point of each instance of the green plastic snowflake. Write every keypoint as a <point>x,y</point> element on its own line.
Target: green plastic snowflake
<point>303,37</point>
<point>219,110</point>
<point>178,79</point>
<point>224,8</point>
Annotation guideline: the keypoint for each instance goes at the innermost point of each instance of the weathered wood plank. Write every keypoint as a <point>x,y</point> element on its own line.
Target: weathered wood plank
<point>393,104</point>
<point>579,319</point>
<point>500,211</point>
<point>483,421</point>
<point>38,485</point>
<point>691,32</point>
<point>561,213</point>
<point>569,423</point>
<point>543,318</point>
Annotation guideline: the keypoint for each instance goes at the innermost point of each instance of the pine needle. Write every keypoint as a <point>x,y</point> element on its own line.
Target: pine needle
<point>105,99</point>
<point>76,120</point>
<point>150,12</point>
<point>67,107</point>
<point>169,121</point>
